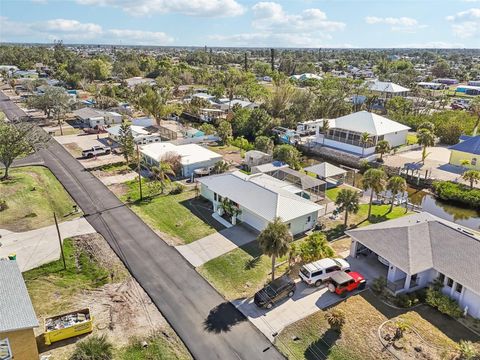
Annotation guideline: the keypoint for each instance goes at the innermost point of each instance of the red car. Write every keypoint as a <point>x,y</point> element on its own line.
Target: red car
<point>342,283</point>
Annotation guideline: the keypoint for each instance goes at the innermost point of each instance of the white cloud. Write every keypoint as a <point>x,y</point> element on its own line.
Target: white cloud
<point>431,45</point>
<point>466,23</point>
<point>205,8</point>
<point>73,30</point>
<point>403,24</point>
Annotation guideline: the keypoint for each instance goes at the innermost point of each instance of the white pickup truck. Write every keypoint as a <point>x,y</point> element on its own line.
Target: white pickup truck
<point>96,150</point>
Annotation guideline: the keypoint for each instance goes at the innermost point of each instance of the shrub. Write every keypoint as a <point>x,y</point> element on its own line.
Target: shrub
<point>443,303</point>
<point>177,188</point>
<point>315,247</point>
<point>460,193</point>
<point>336,319</point>
<point>467,350</point>
<point>379,284</point>
<point>94,348</point>
<point>3,205</point>
<point>410,299</point>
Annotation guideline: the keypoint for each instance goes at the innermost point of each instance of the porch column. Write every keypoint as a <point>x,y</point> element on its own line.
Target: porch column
<point>452,289</point>
<point>407,282</point>
<point>215,206</point>
<point>353,248</point>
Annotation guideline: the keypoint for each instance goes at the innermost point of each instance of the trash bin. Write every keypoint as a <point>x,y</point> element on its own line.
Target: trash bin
<point>12,256</point>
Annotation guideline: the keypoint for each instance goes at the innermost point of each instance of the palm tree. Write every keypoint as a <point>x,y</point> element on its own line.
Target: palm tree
<point>274,241</point>
<point>347,200</point>
<point>161,172</point>
<point>220,167</point>
<point>325,127</point>
<point>475,109</point>
<point>373,179</point>
<point>364,139</point>
<point>396,185</point>
<point>425,138</point>
<point>94,348</point>
<point>472,176</point>
<point>382,147</point>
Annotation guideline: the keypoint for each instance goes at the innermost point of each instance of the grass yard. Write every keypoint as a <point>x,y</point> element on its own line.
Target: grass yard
<point>32,195</point>
<point>411,138</point>
<point>170,214</point>
<point>241,272</point>
<point>311,338</point>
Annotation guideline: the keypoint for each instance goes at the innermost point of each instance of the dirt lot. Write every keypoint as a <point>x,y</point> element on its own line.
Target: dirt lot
<point>121,309</point>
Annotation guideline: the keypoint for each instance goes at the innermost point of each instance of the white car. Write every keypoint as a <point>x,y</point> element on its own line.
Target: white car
<point>316,273</point>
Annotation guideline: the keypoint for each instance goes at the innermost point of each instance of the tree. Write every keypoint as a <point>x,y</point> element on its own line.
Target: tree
<point>336,318</point>
<point>93,348</point>
<point>220,167</point>
<point>126,141</point>
<point>154,103</point>
<point>472,176</point>
<point>274,241</point>
<point>383,146</point>
<point>365,140</point>
<point>324,129</point>
<point>348,200</point>
<point>264,143</point>
<point>467,350</point>
<point>288,154</point>
<point>396,185</point>
<point>18,139</point>
<point>281,99</point>
<point>207,129</point>
<point>224,131</point>
<point>425,138</point>
<point>475,109</point>
<point>53,101</point>
<point>161,174</point>
<point>373,180</point>
<point>315,247</point>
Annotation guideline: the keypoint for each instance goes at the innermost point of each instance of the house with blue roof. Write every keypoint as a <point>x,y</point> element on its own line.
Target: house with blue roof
<point>467,149</point>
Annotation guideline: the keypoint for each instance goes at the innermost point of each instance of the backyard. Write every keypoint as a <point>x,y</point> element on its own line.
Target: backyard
<point>181,217</point>
<point>312,338</point>
<point>32,195</point>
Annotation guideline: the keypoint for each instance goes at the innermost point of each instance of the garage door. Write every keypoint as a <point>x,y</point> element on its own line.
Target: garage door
<point>253,220</point>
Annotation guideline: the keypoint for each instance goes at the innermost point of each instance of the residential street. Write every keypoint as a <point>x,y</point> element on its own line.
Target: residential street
<point>210,327</point>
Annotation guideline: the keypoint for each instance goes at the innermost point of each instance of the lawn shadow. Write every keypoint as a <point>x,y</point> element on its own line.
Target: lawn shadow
<point>335,232</point>
<point>320,348</point>
<point>252,263</point>
<point>202,209</point>
<point>222,318</point>
<point>252,249</point>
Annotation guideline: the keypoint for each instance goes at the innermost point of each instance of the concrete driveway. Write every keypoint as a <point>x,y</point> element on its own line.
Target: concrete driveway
<point>40,246</point>
<point>212,246</point>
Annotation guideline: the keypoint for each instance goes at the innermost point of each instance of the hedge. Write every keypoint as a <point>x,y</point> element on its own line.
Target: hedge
<point>443,303</point>
<point>446,190</point>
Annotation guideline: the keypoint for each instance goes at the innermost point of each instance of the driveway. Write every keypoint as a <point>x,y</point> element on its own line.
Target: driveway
<point>40,246</point>
<point>212,246</point>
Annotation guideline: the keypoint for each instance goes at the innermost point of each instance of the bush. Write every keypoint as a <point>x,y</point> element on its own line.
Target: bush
<point>336,319</point>
<point>379,284</point>
<point>177,188</point>
<point>3,205</point>
<point>410,299</point>
<point>315,247</point>
<point>443,303</point>
<point>94,348</point>
<point>460,193</point>
<point>467,350</point>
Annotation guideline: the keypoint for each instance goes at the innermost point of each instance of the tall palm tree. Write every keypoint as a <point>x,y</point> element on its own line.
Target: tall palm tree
<point>472,176</point>
<point>373,179</point>
<point>382,147</point>
<point>425,138</point>
<point>161,174</point>
<point>348,201</point>
<point>325,127</point>
<point>274,241</point>
<point>364,139</point>
<point>396,185</point>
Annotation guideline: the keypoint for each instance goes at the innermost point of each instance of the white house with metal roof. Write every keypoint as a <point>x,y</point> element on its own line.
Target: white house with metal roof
<point>141,134</point>
<point>419,248</point>
<point>261,198</point>
<point>17,317</point>
<point>345,133</point>
<point>386,88</point>
<point>96,117</point>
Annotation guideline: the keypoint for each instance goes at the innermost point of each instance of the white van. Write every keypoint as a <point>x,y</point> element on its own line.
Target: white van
<point>320,271</point>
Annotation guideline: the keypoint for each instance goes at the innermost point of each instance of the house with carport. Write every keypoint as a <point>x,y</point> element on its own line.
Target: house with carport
<point>467,149</point>
<point>417,249</point>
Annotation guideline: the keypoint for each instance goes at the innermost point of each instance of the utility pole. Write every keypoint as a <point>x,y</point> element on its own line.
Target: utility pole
<point>60,241</point>
<point>272,58</point>
<point>139,175</point>
<point>246,62</point>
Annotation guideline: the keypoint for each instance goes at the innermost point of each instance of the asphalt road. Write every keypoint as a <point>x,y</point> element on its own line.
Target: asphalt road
<point>210,327</point>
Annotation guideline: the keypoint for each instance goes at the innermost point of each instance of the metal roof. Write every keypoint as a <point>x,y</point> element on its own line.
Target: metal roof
<point>325,170</point>
<point>470,145</point>
<point>388,87</point>
<point>306,181</point>
<point>364,121</point>
<point>16,310</point>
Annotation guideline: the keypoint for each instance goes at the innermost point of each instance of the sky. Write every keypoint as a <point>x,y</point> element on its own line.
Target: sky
<point>250,23</point>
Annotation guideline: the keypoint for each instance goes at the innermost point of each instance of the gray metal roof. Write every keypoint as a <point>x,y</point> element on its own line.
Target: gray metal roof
<point>423,241</point>
<point>16,310</point>
<point>325,170</point>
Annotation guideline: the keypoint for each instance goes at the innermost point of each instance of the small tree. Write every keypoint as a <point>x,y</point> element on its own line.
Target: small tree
<point>207,129</point>
<point>324,128</point>
<point>396,185</point>
<point>472,176</point>
<point>274,241</point>
<point>425,138</point>
<point>224,131</point>
<point>382,147</point>
<point>336,318</point>
<point>126,141</point>
<point>264,143</point>
<point>161,175</point>
<point>93,348</point>
<point>173,159</point>
<point>315,247</point>
<point>373,179</point>
<point>220,167</point>
<point>467,350</point>
<point>365,140</point>
<point>348,200</point>
<point>287,154</point>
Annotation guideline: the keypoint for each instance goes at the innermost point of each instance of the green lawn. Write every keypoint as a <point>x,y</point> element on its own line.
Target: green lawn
<point>239,273</point>
<point>171,214</point>
<point>411,138</point>
<point>53,289</point>
<point>32,195</point>
<point>332,193</point>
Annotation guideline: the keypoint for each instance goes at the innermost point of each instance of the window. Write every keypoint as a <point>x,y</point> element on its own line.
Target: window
<point>449,282</point>
<point>332,269</point>
<point>317,273</point>
<point>441,278</point>
<point>309,219</point>
<point>474,161</point>
<point>289,225</point>
<point>459,288</point>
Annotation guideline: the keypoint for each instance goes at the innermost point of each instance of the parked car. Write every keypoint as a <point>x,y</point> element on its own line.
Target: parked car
<point>275,291</point>
<point>316,273</point>
<point>342,282</point>
<point>96,150</point>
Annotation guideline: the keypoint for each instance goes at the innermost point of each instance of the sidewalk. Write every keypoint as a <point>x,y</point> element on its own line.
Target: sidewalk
<point>40,246</point>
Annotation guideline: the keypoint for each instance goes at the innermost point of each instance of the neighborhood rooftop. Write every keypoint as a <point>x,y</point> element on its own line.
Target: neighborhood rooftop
<point>364,121</point>
<point>469,145</point>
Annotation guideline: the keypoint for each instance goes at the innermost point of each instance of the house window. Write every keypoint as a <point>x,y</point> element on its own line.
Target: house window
<point>441,278</point>
<point>309,219</point>
<point>289,225</point>
<point>449,282</point>
<point>459,288</point>
<point>474,161</point>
